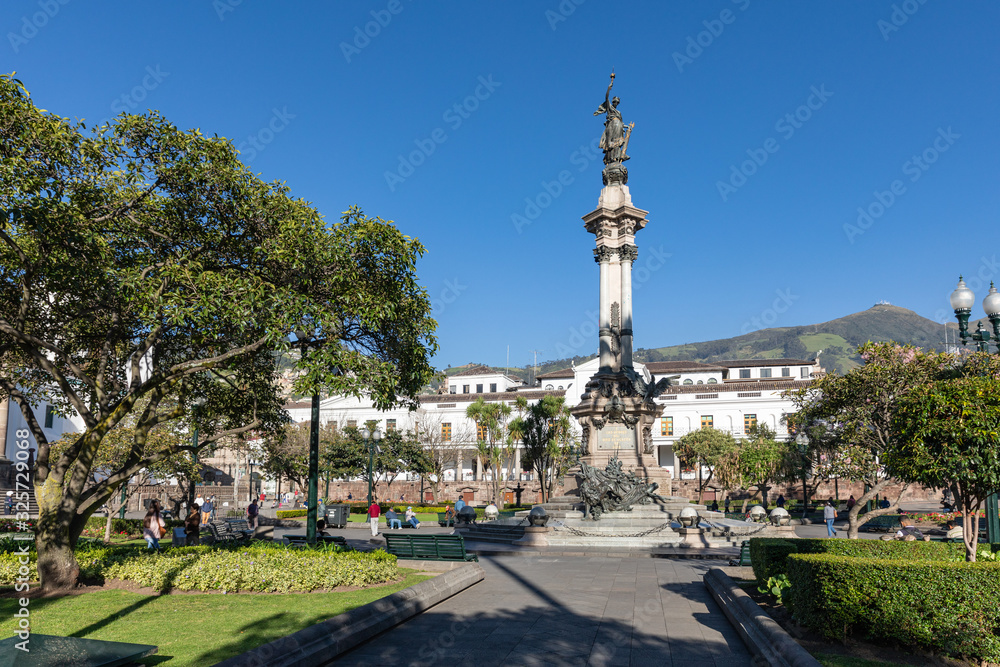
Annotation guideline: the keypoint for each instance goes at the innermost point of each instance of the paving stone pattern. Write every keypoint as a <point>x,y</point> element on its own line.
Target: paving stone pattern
<point>568,611</point>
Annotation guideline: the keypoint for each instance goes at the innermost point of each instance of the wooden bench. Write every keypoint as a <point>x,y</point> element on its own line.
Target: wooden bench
<point>744,559</point>
<point>885,523</point>
<point>240,526</point>
<point>299,540</point>
<point>428,547</point>
<point>221,531</point>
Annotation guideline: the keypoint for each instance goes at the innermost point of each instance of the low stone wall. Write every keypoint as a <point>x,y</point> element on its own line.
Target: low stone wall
<point>915,493</point>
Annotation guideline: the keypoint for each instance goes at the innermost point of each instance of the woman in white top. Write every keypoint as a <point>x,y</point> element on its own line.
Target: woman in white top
<point>153,526</point>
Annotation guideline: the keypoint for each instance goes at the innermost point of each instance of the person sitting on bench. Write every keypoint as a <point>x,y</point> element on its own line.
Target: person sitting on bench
<point>392,520</point>
<point>411,517</point>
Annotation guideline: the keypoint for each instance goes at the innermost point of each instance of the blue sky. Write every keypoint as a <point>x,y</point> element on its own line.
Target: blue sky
<point>348,118</point>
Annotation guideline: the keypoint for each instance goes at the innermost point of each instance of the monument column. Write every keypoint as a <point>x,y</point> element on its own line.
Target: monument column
<point>627,255</point>
<point>602,255</point>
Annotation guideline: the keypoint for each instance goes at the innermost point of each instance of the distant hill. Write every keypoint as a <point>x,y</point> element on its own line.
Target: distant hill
<point>838,339</point>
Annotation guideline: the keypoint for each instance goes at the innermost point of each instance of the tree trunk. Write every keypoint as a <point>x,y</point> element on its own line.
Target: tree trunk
<point>853,520</point>
<point>107,528</point>
<point>57,566</point>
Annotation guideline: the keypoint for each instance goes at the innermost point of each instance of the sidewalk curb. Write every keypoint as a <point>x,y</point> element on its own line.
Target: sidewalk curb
<point>761,633</point>
<point>320,644</point>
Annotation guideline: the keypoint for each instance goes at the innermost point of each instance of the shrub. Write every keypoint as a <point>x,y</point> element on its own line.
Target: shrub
<point>290,514</point>
<point>940,606</point>
<point>769,554</point>
<point>260,567</point>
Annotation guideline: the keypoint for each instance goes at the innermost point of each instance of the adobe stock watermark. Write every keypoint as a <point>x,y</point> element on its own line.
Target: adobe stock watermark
<point>786,126</point>
<point>585,332</point>
<point>454,116</point>
<point>769,316</point>
<point>128,101</point>
<point>448,295</point>
<point>223,7</point>
<point>696,44</point>
<point>24,535</point>
<point>31,24</point>
<point>581,158</point>
<point>260,140</point>
<point>915,167</point>
<point>899,17</point>
<point>363,36</point>
<point>562,12</point>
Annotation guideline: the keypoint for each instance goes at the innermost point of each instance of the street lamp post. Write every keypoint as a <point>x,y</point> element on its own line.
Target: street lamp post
<point>802,441</point>
<point>962,300</point>
<point>371,439</point>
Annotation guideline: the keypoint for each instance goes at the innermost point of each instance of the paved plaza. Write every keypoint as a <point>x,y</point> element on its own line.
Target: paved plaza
<point>568,611</point>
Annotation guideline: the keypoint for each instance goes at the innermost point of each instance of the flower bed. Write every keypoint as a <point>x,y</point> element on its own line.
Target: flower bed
<point>260,567</point>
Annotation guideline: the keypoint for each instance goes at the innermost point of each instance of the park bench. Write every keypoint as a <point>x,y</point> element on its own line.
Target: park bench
<point>428,547</point>
<point>300,540</point>
<point>885,523</point>
<point>221,531</point>
<point>744,559</point>
<point>240,526</point>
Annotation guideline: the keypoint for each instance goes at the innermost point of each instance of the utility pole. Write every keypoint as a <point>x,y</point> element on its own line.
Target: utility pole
<point>534,366</point>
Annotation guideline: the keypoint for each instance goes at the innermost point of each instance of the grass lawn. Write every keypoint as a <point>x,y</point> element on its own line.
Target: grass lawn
<point>191,629</point>
<point>421,517</point>
<point>831,660</point>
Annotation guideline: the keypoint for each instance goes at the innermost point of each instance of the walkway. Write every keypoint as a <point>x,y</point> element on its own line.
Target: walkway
<point>568,611</point>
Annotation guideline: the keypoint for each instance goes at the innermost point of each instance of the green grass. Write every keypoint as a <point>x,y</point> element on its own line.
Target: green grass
<point>823,341</point>
<point>191,629</point>
<point>421,517</point>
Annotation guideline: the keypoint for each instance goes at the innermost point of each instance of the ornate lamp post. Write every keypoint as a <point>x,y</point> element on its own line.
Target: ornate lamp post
<point>802,441</point>
<point>371,439</point>
<point>962,300</point>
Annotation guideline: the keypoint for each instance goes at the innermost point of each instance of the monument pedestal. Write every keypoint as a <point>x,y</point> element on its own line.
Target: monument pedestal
<point>534,536</point>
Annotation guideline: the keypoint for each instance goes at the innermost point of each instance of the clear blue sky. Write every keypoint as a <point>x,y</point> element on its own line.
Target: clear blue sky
<point>332,112</point>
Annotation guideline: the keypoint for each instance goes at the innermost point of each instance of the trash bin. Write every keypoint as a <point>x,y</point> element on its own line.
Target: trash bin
<point>337,515</point>
<point>180,538</point>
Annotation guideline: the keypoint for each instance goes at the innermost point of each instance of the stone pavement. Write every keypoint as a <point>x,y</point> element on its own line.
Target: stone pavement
<point>568,611</point>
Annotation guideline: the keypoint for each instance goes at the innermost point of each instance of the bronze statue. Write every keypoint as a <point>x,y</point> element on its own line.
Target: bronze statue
<point>614,141</point>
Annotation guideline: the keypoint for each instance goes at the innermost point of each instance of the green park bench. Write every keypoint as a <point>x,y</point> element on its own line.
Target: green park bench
<point>301,540</point>
<point>222,531</point>
<point>428,547</point>
<point>443,520</point>
<point>884,523</point>
<point>744,559</point>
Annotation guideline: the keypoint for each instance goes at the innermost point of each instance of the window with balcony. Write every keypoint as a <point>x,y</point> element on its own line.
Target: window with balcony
<point>749,421</point>
<point>706,421</point>
<point>666,425</point>
<point>446,432</point>
<point>786,372</point>
<point>744,373</point>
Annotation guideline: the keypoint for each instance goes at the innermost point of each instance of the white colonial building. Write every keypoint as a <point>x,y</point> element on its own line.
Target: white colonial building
<point>726,395</point>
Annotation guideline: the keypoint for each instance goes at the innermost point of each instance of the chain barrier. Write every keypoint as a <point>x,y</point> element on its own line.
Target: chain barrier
<point>582,533</point>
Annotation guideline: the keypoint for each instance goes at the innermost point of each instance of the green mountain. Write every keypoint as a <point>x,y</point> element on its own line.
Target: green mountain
<point>838,339</point>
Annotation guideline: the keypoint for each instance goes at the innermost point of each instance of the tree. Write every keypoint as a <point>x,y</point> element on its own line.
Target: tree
<point>547,434</point>
<point>705,447</point>
<point>856,410</point>
<point>397,452</point>
<point>493,441</point>
<point>948,438</point>
<point>142,263</point>
<point>757,462</point>
<point>285,453</point>
<point>440,454</point>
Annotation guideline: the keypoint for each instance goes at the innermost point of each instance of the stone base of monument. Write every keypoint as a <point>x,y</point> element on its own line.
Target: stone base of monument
<point>693,538</point>
<point>534,536</point>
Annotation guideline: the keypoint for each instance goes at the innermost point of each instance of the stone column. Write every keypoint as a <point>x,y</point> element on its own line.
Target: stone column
<point>602,255</point>
<point>627,255</point>
<point>459,476</point>
<point>517,462</point>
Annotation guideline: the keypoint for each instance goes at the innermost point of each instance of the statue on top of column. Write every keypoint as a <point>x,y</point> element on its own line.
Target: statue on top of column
<point>614,141</point>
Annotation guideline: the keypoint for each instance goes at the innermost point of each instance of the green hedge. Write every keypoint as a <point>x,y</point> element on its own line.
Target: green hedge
<point>261,567</point>
<point>290,514</point>
<point>769,554</point>
<point>945,607</point>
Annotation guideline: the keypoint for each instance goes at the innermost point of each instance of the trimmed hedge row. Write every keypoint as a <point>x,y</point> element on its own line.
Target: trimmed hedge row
<point>290,514</point>
<point>769,554</point>
<point>947,607</point>
<point>261,567</point>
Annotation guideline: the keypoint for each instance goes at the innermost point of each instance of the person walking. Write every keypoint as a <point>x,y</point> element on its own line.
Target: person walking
<point>829,514</point>
<point>851,502</point>
<point>192,526</point>
<point>374,511</point>
<point>207,508</point>
<point>459,504</point>
<point>153,527</point>
<point>252,513</point>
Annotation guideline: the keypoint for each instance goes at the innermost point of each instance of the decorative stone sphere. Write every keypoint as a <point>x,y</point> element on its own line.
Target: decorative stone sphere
<point>757,513</point>
<point>466,515</point>
<point>688,517</point>
<point>538,516</point>
<point>779,516</point>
